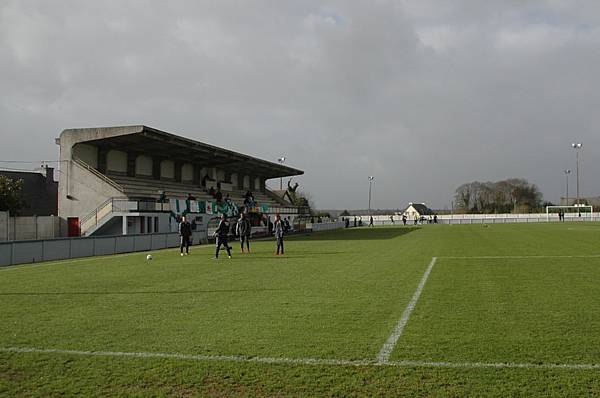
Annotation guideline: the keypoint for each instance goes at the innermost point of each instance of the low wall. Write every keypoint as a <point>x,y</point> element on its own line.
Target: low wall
<point>483,218</point>
<point>33,251</point>
<point>513,218</point>
<point>325,226</point>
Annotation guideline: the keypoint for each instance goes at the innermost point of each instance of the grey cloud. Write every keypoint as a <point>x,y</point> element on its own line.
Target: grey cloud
<point>425,95</point>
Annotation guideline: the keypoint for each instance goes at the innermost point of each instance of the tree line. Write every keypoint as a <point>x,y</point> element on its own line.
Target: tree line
<point>514,195</point>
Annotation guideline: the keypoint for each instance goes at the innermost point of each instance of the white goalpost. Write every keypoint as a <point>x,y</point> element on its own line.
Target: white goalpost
<point>572,213</point>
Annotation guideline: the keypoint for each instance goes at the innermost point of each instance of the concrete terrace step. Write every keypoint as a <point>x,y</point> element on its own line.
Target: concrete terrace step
<point>148,188</point>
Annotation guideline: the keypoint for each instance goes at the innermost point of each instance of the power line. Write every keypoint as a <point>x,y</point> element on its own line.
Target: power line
<point>13,169</point>
<point>31,161</point>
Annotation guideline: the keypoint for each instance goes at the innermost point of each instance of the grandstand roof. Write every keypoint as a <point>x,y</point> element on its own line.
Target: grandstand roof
<point>153,142</point>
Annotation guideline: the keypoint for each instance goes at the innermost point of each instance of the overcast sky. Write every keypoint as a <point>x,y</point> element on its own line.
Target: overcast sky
<point>423,95</point>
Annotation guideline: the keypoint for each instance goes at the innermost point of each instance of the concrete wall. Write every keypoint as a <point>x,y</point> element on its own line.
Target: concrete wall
<point>87,153</point>
<point>4,226</point>
<point>115,226</point>
<point>143,165</point>
<point>187,172</point>
<point>24,252</point>
<point>86,191</point>
<point>116,161</point>
<point>29,228</point>
<point>167,169</point>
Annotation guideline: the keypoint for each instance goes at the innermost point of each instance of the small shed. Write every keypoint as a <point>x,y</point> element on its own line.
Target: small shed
<point>417,209</point>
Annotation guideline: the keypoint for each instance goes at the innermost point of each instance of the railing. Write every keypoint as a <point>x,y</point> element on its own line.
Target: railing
<point>300,210</point>
<point>478,218</point>
<point>91,220</point>
<point>123,205</point>
<point>513,218</point>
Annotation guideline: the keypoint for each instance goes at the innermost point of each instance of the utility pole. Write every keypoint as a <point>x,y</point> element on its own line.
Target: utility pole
<point>281,160</point>
<point>567,172</point>
<point>577,146</point>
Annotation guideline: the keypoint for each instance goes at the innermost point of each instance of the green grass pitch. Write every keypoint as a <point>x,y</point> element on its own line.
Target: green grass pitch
<point>507,310</point>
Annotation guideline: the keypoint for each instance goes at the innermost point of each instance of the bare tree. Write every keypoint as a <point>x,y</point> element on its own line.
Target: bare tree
<point>513,194</point>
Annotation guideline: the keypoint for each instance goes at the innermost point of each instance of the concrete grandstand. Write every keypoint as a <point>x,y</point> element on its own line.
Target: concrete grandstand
<point>137,179</point>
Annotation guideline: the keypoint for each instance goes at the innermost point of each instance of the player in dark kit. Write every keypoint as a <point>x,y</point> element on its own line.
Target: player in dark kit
<point>185,234</point>
<point>221,233</point>
<point>279,232</point>
<point>243,230</point>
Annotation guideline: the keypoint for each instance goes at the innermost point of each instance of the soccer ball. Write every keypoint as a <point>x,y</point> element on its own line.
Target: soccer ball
<point>149,257</point>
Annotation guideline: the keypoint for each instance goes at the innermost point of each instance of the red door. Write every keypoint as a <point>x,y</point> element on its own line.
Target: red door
<point>73,227</point>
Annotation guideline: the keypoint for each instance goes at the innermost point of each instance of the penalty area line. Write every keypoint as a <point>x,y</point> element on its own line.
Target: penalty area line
<point>303,361</point>
<point>388,346</point>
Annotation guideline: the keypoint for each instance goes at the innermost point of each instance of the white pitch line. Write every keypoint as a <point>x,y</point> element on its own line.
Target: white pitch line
<point>388,346</point>
<point>220,358</point>
<point>518,257</point>
<point>304,361</point>
<point>495,365</point>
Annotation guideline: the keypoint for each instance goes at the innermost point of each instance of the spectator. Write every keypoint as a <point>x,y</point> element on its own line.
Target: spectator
<point>249,200</point>
<point>435,219</point>
<point>191,197</point>
<point>286,224</point>
<point>404,218</point>
<point>371,221</point>
<point>219,196</point>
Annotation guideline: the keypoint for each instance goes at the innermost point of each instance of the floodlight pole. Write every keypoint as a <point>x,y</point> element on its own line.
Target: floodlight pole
<point>281,160</point>
<point>371,178</point>
<point>577,146</point>
<point>567,172</point>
